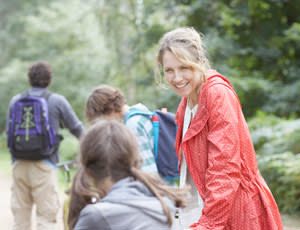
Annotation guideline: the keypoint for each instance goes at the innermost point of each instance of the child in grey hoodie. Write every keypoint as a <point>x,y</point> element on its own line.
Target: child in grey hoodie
<point>126,198</point>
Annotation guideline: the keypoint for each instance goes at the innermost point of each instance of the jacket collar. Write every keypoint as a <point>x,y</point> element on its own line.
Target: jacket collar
<point>202,114</point>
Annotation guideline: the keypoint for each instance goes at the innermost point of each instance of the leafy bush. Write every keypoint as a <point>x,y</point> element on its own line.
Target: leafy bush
<point>277,143</point>
<point>71,40</point>
<point>69,147</point>
<point>282,173</point>
<point>3,144</point>
<point>251,90</point>
<point>285,103</point>
<point>271,134</point>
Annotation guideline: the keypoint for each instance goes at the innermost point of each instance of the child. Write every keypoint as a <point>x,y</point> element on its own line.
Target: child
<point>126,197</point>
<point>108,102</point>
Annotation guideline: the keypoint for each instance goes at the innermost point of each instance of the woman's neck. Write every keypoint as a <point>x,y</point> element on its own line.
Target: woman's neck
<point>193,100</point>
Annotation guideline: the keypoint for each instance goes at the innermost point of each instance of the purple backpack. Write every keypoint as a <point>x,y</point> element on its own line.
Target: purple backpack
<point>30,133</point>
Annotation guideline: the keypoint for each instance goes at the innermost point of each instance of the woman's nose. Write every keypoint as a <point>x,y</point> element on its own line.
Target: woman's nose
<point>177,76</point>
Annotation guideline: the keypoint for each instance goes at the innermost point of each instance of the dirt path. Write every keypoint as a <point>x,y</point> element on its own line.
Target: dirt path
<point>5,212</point>
<point>290,223</point>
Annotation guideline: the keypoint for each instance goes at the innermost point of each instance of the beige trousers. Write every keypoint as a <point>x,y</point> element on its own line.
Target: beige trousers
<point>34,182</point>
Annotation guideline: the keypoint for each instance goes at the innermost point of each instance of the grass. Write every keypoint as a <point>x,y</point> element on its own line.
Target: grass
<point>5,161</point>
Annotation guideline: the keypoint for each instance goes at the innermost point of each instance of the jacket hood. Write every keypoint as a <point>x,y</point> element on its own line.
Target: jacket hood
<point>135,194</point>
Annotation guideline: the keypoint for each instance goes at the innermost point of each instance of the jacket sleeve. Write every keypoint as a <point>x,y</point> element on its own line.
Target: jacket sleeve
<point>69,117</point>
<point>222,177</point>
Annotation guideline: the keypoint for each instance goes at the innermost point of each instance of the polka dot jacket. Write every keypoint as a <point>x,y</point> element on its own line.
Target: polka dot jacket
<point>222,162</point>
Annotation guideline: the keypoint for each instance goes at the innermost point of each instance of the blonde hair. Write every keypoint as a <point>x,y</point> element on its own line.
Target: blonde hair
<point>187,46</point>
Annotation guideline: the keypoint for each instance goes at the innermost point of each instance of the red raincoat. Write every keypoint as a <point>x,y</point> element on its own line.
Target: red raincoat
<point>222,162</point>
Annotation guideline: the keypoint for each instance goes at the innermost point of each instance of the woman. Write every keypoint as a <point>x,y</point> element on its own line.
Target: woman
<point>213,143</point>
<point>130,198</point>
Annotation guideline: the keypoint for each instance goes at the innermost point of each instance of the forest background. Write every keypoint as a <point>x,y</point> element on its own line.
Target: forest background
<point>255,43</point>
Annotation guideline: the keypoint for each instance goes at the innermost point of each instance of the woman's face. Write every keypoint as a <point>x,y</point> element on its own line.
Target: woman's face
<point>183,79</point>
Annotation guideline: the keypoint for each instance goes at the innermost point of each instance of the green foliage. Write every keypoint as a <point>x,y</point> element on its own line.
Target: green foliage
<point>252,92</point>
<point>282,173</point>
<point>70,39</point>
<point>293,33</point>
<point>259,40</point>
<point>277,143</point>
<point>69,151</point>
<point>272,135</point>
<point>261,127</point>
<point>286,103</point>
<point>12,81</point>
<point>69,147</point>
<point>143,23</point>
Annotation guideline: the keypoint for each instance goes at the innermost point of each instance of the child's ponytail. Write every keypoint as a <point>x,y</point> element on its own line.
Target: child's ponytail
<point>81,195</point>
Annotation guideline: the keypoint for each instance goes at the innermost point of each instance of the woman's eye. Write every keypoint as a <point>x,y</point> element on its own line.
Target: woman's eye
<point>168,70</point>
<point>185,68</point>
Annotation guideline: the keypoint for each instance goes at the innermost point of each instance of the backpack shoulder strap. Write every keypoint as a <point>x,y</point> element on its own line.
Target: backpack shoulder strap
<point>46,95</point>
<point>24,94</point>
<point>155,124</point>
<point>133,112</point>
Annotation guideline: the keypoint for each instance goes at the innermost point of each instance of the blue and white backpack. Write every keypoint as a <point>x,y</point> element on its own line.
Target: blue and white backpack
<point>30,133</point>
<point>164,133</point>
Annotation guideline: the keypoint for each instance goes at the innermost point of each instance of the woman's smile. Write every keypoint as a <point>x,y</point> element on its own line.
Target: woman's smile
<point>181,85</point>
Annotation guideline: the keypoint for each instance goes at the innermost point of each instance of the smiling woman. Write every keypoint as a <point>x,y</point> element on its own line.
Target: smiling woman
<point>184,63</point>
<point>213,143</point>
<point>183,79</point>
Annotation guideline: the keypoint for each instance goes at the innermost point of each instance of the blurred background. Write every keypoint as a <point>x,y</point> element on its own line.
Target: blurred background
<point>255,43</point>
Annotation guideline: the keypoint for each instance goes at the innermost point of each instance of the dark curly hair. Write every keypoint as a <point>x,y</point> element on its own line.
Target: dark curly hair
<point>104,100</point>
<point>40,74</point>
